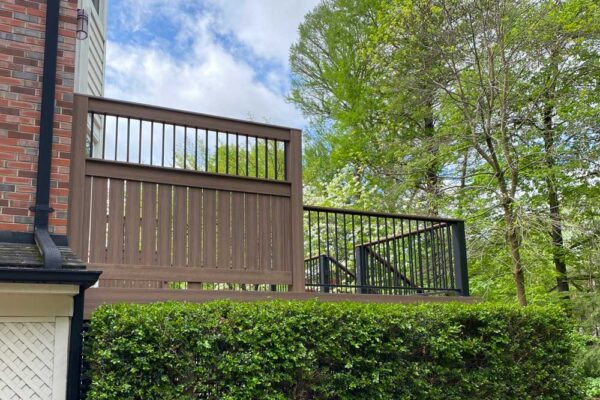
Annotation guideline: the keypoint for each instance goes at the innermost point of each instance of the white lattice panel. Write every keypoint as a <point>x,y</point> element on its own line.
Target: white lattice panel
<point>26,360</point>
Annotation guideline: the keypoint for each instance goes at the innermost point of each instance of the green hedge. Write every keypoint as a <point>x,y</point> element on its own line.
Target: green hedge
<point>314,350</point>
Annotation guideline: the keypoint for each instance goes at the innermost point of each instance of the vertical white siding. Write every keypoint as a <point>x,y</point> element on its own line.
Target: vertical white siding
<point>90,58</point>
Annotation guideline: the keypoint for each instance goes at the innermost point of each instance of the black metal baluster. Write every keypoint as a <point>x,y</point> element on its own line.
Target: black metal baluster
<point>319,235</point>
<point>247,156</point>
<point>337,255</point>
<point>174,144</point>
<point>227,153</point>
<point>185,129</point>
<point>354,250</point>
<point>310,255</point>
<point>256,156</point>
<point>91,152</point>
<point>345,241</point>
<point>140,143</point>
<point>390,273</point>
<point>217,153</point>
<point>196,149</point>
<point>266,158</point>
<point>395,252</point>
<point>116,135</point>
<point>151,142</point>
<point>276,165</point>
<point>420,252</point>
<point>162,156</point>
<point>237,154</point>
<point>206,150</point>
<point>413,277</point>
<point>128,137</point>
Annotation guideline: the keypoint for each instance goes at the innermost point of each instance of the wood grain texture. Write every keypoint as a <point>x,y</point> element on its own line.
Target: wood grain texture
<point>179,226</point>
<point>116,199</point>
<point>195,227</point>
<point>224,229</point>
<point>209,228</point>
<point>98,220</point>
<point>181,177</point>
<point>238,245</point>
<point>132,223</point>
<point>252,238</point>
<point>148,240</point>
<point>296,225</point>
<point>164,233</point>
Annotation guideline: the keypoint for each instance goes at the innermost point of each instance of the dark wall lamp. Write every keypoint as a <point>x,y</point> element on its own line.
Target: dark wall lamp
<point>82,24</point>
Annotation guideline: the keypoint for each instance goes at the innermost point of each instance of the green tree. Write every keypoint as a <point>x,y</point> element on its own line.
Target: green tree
<point>479,108</point>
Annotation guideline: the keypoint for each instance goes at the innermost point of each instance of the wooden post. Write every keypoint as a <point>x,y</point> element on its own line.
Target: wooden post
<point>77,238</point>
<point>294,171</point>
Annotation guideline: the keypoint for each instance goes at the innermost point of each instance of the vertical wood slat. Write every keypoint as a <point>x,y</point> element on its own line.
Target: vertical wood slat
<point>132,223</point>
<point>163,239</point>
<point>114,251</point>
<point>238,245</point>
<point>79,205</point>
<point>287,240</point>
<point>224,227</point>
<point>264,233</point>
<point>278,226</point>
<point>148,223</point>
<point>209,225</point>
<point>296,224</point>
<point>195,227</point>
<point>83,246</point>
<point>179,226</point>
<point>251,232</point>
<point>98,220</point>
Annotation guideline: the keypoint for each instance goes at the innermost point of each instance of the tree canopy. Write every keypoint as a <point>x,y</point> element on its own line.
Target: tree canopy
<point>482,109</point>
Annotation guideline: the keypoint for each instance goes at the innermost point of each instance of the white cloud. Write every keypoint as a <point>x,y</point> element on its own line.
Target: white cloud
<point>268,27</point>
<point>207,76</point>
<point>212,82</point>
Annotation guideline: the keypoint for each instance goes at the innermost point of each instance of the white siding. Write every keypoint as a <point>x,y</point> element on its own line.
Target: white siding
<point>90,58</point>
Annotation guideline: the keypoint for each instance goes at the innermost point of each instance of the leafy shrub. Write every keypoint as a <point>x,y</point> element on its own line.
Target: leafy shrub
<point>314,350</point>
<point>589,360</point>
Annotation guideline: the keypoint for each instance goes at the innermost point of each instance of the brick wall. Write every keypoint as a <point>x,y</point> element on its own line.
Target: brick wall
<point>22,27</point>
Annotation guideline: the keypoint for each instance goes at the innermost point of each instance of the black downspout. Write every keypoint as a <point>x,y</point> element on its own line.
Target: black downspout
<point>49,250</point>
<point>76,348</point>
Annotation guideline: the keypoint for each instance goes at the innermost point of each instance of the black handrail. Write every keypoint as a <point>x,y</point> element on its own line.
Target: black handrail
<point>373,252</point>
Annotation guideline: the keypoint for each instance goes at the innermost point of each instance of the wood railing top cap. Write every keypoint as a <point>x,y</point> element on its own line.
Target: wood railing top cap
<point>187,112</point>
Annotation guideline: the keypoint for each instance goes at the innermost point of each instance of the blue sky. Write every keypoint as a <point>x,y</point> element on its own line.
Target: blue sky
<point>223,57</point>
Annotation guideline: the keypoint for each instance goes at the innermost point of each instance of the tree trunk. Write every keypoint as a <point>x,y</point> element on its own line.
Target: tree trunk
<point>432,184</point>
<point>558,249</point>
<point>513,238</point>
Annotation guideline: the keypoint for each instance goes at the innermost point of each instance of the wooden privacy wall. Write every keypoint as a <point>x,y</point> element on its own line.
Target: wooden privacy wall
<point>145,225</point>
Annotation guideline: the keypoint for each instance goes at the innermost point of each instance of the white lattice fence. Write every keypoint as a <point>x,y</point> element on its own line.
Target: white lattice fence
<point>27,359</point>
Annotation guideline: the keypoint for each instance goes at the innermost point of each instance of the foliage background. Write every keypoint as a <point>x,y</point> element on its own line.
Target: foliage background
<point>379,82</point>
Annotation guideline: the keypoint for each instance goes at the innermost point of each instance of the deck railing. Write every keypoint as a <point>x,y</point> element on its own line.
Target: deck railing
<point>164,198</point>
<point>348,251</point>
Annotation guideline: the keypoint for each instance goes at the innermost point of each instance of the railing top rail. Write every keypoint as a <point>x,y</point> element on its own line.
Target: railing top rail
<point>166,115</point>
<point>186,177</point>
<point>380,214</point>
